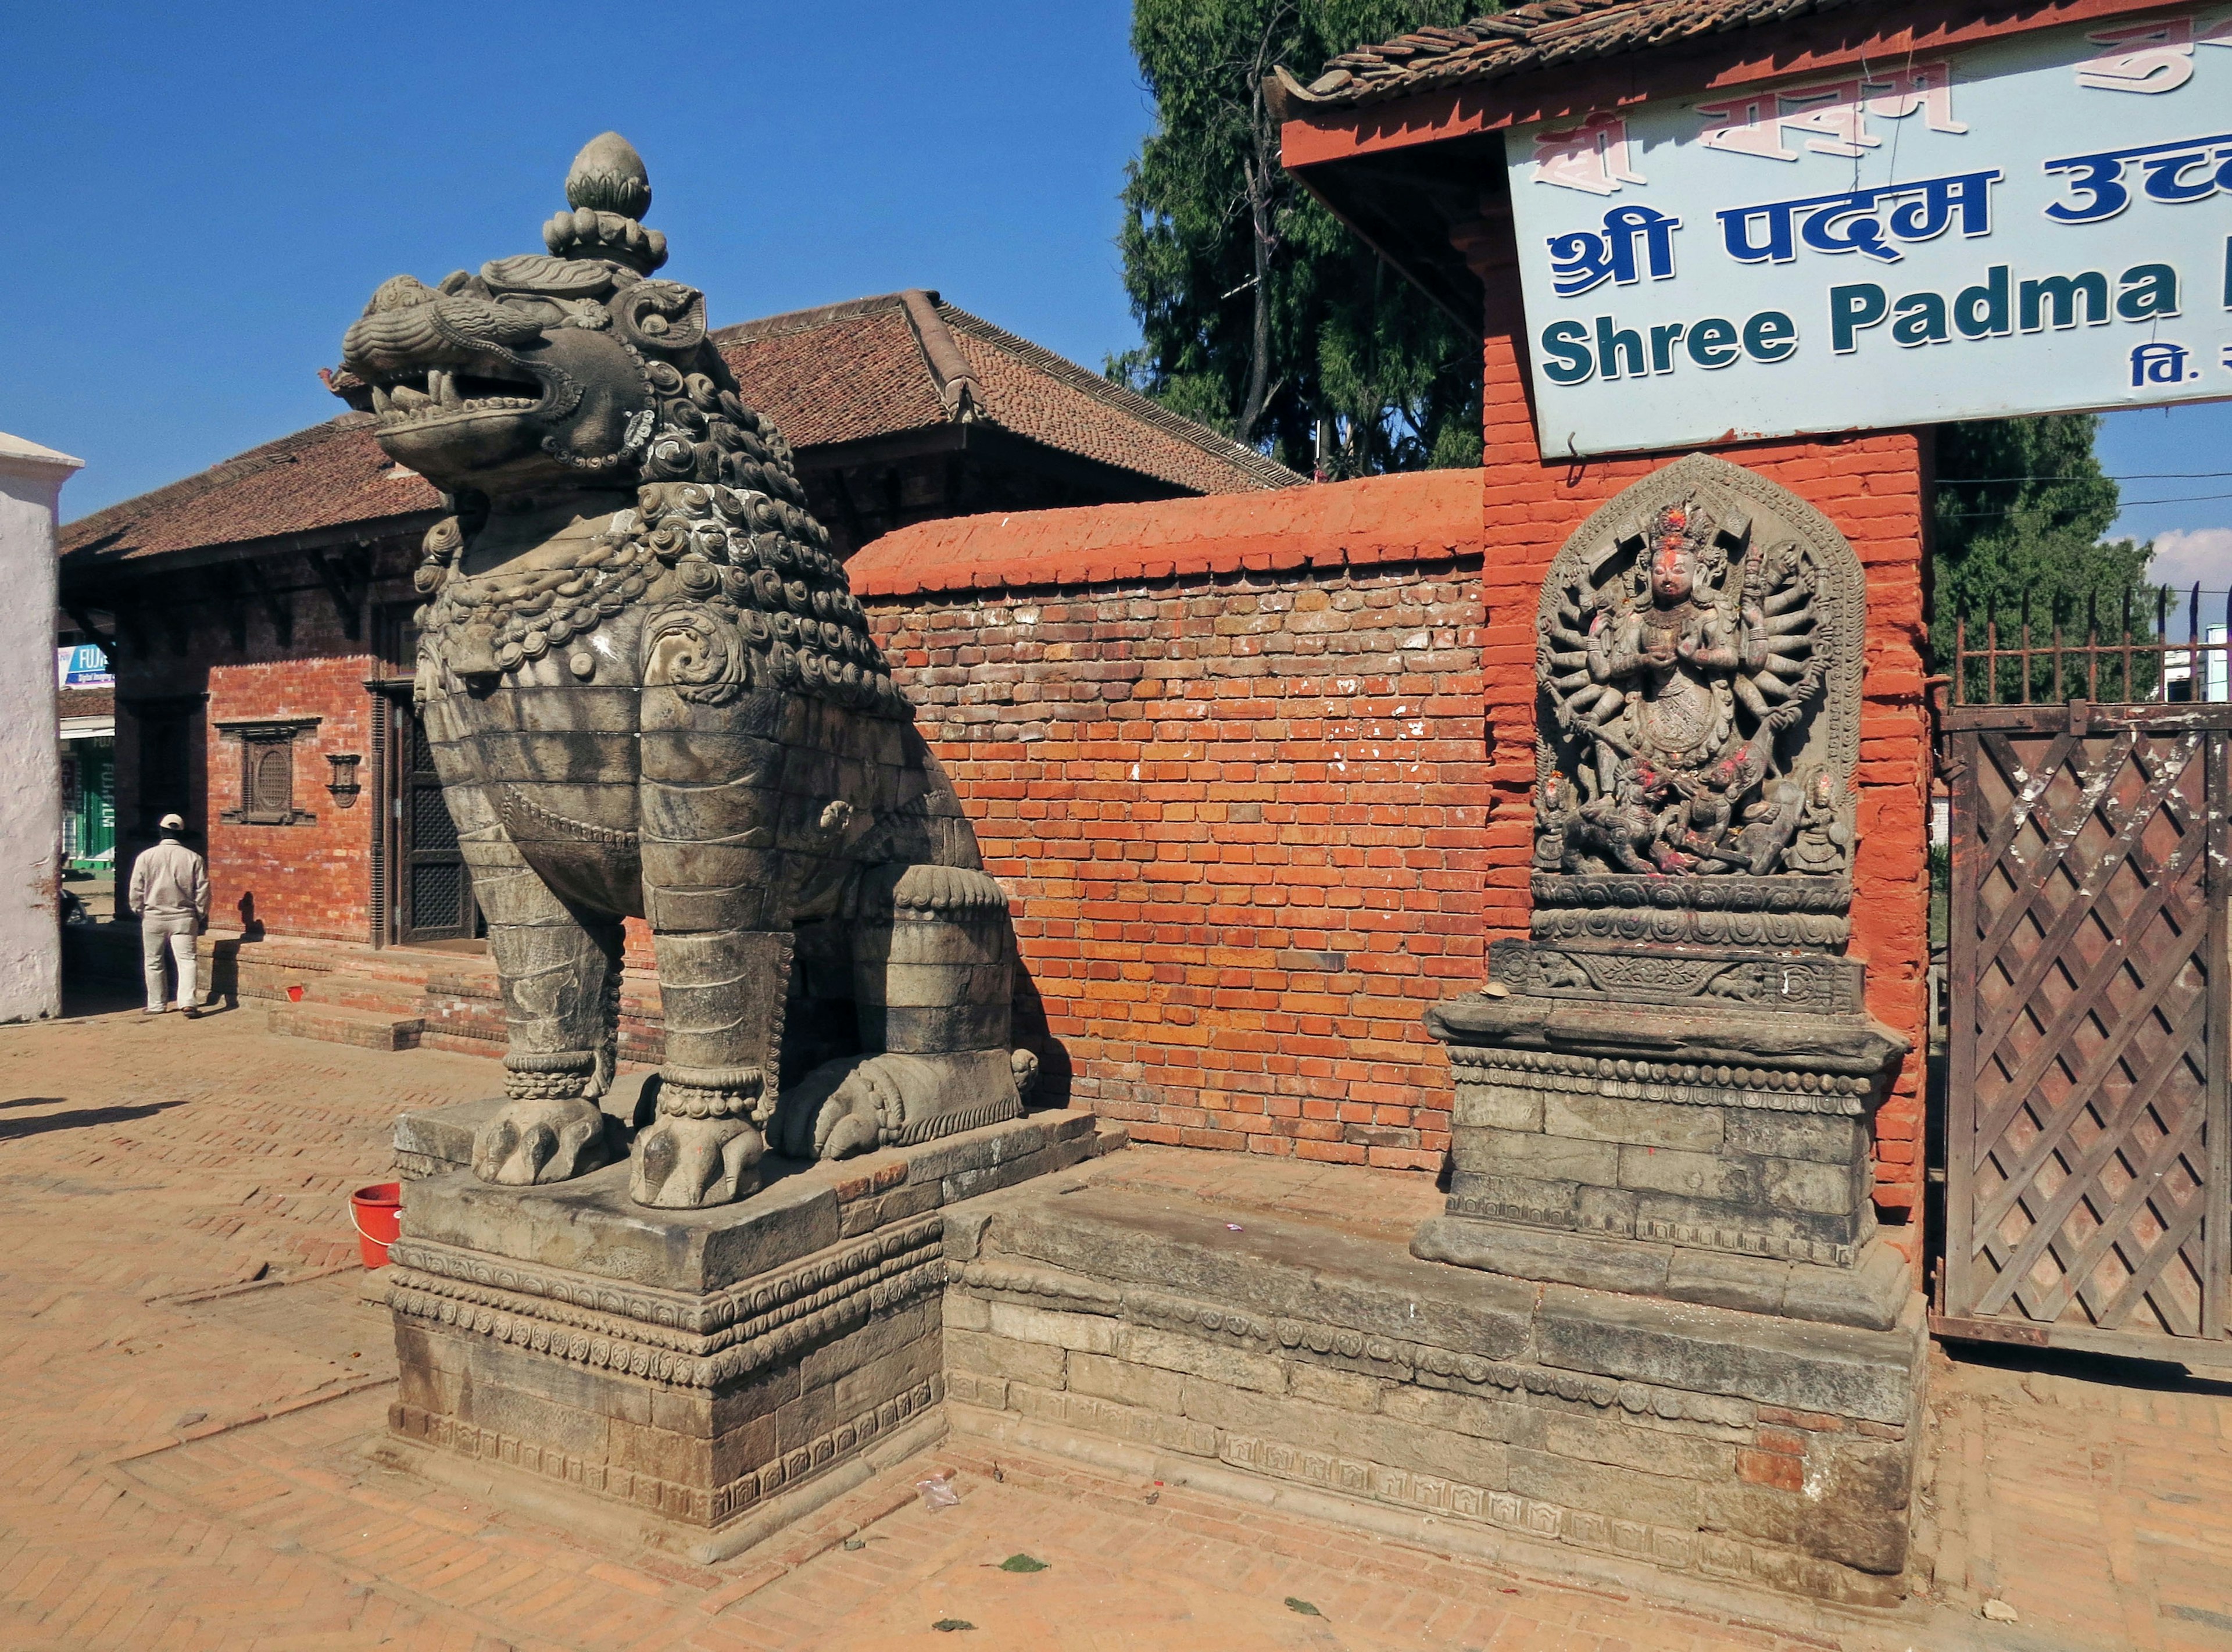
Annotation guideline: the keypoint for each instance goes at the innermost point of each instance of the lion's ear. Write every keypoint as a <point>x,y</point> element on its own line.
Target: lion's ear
<point>663,317</point>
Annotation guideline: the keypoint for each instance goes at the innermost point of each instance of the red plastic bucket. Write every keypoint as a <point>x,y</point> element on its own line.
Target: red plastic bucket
<point>377,1214</point>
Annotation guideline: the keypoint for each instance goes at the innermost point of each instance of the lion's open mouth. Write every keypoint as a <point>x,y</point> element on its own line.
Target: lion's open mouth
<point>442,392</point>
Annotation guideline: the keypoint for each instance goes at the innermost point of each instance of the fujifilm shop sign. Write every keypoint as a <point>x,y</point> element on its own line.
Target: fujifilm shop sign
<point>2033,225</point>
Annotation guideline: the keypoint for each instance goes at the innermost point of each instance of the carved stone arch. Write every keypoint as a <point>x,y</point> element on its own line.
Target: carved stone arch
<point>1745,538</point>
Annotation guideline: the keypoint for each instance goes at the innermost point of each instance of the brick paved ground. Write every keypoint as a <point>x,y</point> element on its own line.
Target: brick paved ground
<point>179,1462</point>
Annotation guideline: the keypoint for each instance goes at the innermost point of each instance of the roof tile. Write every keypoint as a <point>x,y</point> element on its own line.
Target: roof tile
<point>1531,36</point>
<point>330,475</point>
<point>840,373</point>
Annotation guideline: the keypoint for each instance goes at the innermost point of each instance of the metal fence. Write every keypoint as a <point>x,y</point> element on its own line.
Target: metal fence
<point>2125,656</point>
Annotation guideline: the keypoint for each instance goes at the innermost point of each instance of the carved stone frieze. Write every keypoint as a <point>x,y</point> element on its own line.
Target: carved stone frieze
<point>1071,1291</point>
<point>1348,1346</point>
<point>1768,1089</point>
<point>1546,1209</point>
<point>904,1244</point>
<point>634,1350</point>
<point>1684,926</point>
<point>1698,660</point>
<point>667,1336</point>
<point>1814,985</point>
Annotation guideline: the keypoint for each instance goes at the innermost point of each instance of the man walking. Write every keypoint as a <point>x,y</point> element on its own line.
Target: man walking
<point>170,894</point>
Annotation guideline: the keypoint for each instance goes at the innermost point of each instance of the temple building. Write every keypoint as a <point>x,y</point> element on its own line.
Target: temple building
<point>259,614</point>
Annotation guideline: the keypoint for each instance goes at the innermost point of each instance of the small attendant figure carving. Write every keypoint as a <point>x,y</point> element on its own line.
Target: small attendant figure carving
<point>1553,820</point>
<point>1823,846</point>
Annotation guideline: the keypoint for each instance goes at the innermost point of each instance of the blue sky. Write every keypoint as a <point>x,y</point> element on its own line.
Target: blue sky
<point>202,196</point>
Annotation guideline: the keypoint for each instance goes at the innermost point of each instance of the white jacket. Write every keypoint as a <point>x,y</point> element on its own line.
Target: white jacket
<point>170,880</point>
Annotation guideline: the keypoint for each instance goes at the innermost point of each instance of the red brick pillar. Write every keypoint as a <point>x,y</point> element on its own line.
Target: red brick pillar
<point>1871,488</point>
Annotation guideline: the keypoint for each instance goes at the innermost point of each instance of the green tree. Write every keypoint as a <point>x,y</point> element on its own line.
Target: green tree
<point>1263,316</point>
<point>2022,512</point>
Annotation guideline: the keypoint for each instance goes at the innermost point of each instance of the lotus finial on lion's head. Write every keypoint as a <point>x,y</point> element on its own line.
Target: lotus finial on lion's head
<point>565,368</point>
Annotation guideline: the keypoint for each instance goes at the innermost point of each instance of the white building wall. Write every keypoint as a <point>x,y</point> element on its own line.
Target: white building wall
<point>31,478</point>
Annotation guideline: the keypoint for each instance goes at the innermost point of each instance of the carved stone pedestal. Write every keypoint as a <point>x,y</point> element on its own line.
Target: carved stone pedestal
<point>1714,1149</point>
<point>1665,1098</point>
<point>692,1379</point>
<point>1712,1154</point>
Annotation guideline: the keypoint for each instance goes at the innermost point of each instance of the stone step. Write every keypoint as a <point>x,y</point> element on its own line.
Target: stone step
<point>331,1024</point>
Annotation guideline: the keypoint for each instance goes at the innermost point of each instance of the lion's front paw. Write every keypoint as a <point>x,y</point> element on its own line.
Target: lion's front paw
<point>851,1105</point>
<point>839,1109</point>
<point>541,1139</point>
<point>690,1163</point>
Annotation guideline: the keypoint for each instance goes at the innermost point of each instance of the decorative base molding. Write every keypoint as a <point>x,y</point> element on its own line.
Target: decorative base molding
<point>1864,1286</point>
<point>690,1505</point>
<point>1704,1151</point>
<point>1684,1084</point>
<point>692,1365</point>
<point>1673,1435</point>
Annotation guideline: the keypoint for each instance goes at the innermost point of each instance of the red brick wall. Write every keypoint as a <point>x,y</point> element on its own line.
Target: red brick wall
<point>1227,755</point>
<point>311,878</point>
<point>315,877</point>
<point>1257,770</point>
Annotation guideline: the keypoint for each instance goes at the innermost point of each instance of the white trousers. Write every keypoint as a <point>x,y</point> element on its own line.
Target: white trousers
<point>178,934</point>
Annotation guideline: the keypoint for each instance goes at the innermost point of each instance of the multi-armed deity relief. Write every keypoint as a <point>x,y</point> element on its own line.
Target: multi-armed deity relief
<point>1625,1081</point>
<point>1699,659</point>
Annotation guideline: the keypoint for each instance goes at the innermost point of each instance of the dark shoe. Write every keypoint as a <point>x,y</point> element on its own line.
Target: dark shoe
<point>193,1012</point>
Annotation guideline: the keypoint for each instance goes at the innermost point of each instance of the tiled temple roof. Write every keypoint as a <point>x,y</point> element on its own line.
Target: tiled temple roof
<point>1543,34</point>
<point>844,372</point>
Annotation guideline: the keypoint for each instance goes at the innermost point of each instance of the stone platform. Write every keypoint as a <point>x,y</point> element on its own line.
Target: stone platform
<point>1288,1348</point>
<point>705,1374</point>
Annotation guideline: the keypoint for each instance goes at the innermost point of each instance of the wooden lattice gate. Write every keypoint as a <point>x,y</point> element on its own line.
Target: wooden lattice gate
<point>2088,1148</point>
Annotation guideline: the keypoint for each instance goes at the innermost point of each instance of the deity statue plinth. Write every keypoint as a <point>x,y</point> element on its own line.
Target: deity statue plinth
<point>1670,1088</point>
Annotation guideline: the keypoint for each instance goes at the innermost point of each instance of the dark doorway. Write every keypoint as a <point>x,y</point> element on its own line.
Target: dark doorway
<point>433,889</point>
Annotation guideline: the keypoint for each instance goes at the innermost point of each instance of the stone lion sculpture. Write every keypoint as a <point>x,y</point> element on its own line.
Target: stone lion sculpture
<point>650,692</point>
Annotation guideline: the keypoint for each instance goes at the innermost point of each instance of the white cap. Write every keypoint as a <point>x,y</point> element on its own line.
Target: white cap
<point>172,823</point>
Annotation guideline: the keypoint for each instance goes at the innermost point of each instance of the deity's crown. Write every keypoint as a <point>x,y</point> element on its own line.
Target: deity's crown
<point>609,191</point>
<point>1696,527</point>
<point>1687,520</point>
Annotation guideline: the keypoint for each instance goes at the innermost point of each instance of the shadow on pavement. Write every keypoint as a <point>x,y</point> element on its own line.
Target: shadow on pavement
<point>2108,1370</point>
<point>80,1119</point>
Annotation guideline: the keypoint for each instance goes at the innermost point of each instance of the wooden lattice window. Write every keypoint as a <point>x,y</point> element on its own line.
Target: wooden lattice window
<point>267,771</point>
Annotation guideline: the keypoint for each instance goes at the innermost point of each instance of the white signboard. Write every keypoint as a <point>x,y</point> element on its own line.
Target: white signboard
<point>2037,224</point>
<point>82,665</point>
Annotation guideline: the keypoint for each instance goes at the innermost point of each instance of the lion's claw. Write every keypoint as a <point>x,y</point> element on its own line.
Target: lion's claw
<point>691,1164</point>
<point>544,1139</point>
